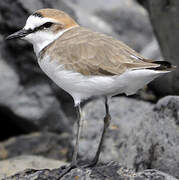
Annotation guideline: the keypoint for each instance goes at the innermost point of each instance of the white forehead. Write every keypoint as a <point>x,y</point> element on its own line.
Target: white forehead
<point>35,21</point>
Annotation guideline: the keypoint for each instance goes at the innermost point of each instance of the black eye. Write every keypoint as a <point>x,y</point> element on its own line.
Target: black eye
<point>47,25</point>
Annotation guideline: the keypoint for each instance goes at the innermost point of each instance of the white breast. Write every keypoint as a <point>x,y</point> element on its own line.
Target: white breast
<point>82,87</point>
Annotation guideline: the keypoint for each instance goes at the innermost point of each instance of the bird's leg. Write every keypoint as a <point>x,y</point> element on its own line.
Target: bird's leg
<point>76,148</point>
<point>107,120</point>
<point>79,124</point>
<point>74,164</point>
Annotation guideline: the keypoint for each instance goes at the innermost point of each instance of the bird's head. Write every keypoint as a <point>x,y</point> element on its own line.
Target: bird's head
<point>43,27</point>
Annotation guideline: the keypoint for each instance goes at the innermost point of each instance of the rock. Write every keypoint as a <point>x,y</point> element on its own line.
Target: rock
<point>112,171</point>
<point>85,12</point>
<point>25,92</point>
<point>32,108</point>
<point>130,22</point>
<point>141,135</point>
<point>168,107</point>
<point>20,163</point>
<point>163,16</point>
<point>91,7</point>
<point>45,144</point>
<point>151,51</point>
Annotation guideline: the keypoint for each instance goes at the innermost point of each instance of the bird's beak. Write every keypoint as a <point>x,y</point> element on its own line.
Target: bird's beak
<point>19,34</point>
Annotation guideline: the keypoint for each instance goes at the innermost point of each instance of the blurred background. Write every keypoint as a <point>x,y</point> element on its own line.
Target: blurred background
<point>37,117</point>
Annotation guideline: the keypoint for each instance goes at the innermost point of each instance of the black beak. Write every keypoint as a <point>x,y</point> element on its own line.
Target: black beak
<point>19,34</point>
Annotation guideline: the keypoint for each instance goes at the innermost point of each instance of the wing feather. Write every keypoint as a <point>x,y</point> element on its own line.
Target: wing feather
<point>92,53</point>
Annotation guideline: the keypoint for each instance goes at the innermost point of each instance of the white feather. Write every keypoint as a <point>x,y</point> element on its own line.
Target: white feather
<point>134,57</point>
<point>36,21</point>
<point>82,87</point>
<point>41,39</point>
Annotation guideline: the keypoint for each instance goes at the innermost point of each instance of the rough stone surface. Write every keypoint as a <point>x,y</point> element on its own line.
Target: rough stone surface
<point>112,171</point>
<point>45,144</point>
<point>14,165</point>
<point>141,135</point>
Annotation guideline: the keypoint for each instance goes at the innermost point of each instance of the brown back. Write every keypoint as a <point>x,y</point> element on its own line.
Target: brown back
<point>92,53</point>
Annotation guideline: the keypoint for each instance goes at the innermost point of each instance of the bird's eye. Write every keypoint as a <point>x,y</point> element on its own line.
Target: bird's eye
<point>47,25</point>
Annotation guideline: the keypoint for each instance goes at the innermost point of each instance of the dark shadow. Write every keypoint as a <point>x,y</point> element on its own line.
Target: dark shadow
<point>8,128</point>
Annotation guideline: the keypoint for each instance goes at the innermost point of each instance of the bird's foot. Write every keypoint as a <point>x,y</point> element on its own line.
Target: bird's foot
<point>88,164</point>
<point>66,169</point>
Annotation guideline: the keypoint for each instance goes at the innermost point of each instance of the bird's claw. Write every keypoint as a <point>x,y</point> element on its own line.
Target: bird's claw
<point>66,169</point>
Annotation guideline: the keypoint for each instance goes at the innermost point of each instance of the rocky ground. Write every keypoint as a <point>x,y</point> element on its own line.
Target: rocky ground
<point>112,171</point>
<point>19,163</point>
<point>37,118</point>
<point>141,136</point>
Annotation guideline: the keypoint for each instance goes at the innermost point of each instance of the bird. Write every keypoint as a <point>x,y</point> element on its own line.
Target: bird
<point>86,64</point>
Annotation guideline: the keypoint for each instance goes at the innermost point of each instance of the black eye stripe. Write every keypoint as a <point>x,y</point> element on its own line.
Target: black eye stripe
<point>43,26</point>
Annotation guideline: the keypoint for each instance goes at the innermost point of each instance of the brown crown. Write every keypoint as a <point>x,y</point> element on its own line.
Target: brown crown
<point>57,15</point>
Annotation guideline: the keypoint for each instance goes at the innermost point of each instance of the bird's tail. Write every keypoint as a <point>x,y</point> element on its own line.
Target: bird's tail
<point>163,65</point>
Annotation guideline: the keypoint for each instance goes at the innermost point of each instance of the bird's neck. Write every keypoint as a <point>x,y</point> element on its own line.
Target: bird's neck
<point>40,44</point>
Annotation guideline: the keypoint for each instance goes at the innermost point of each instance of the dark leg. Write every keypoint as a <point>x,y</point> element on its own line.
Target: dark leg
<point>75,153</point>
<point>79,124</point>
<point>107,120</point>
<point>73,165</point>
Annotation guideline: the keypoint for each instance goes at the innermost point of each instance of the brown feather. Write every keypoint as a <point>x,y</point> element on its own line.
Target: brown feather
<point>92,53</point>
<point>58,15</point>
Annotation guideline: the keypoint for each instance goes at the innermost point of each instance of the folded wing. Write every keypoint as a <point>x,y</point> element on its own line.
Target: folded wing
<point>92,53</point>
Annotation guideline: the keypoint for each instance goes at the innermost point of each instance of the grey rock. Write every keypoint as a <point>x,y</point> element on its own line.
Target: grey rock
<point>168,107</point>
<point>32,108</point>
<point>141,136</point>
<point>91,7</point>
<point>152,51</point>
<point>130,22</point>
<point>45,144</point>
<point>20,163</point>
<point>112,171</point>
<point>85,12</point>
<point>9,82</point>
<point>163,16</point>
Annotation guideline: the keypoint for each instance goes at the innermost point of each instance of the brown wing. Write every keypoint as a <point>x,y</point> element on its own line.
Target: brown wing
<point>92,53</point>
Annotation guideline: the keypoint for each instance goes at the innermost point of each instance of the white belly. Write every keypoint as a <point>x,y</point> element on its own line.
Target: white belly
<point>82,87</point>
